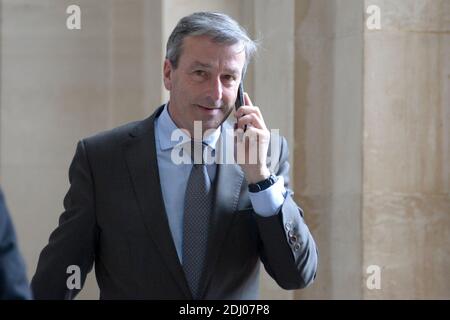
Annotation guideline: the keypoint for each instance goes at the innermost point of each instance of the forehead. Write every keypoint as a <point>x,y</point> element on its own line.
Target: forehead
<point>201,49</point>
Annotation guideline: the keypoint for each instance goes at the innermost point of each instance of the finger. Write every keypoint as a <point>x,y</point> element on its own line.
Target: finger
<point>253,137</point>
<point>243,110</point>
<point>250,119</point>
<point>247,100</point>
<point>252,112</point>
<point>238,135</point>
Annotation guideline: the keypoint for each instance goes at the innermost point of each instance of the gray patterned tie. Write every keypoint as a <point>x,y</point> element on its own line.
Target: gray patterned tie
<point>197,211</point>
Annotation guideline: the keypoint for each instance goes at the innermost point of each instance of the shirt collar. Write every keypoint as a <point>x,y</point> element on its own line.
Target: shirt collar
<point>166,126</point>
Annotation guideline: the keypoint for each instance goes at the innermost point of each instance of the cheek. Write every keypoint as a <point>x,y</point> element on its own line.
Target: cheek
<point>229,97</point>
<point>180,92</point>
<point>185,90</point>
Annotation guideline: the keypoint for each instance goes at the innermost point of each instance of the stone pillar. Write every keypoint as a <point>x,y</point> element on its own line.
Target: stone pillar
<point>406,203</point>
<point>328,136</point>
<point>60,85</point>
<point>273,84</point>
<point>372,145</point>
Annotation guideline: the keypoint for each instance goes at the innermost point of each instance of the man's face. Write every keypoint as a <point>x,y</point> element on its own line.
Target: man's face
<point>204,85</point>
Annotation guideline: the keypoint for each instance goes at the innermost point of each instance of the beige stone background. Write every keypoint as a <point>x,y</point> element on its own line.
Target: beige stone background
<point>366,113</point>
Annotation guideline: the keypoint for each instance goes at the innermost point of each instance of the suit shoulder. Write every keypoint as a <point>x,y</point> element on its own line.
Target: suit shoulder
<point>114,136</point>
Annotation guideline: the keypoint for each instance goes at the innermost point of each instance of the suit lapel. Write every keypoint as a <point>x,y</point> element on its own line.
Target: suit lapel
<point>142,163</point>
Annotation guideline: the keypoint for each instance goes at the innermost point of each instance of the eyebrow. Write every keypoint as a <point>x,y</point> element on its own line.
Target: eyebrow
<point>208,66</point>
<point>200,64</point>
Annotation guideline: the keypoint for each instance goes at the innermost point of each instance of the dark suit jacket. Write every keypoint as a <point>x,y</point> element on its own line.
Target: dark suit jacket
<point>115,216</point>
<point>13,280</point>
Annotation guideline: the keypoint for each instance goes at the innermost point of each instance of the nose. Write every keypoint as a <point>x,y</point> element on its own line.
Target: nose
<point>216,90</point>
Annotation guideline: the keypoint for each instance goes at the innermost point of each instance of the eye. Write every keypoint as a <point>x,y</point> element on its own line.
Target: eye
<point>200,73</point>
<point>229,77</point>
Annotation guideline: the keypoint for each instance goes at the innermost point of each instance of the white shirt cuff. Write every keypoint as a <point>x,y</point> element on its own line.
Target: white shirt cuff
<point>266,203</point>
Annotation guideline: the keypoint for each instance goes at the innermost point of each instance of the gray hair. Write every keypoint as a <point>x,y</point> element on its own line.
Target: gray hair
<point>218,26</point>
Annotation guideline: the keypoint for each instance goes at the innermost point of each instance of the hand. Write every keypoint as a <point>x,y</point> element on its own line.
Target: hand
<point>251,146</point>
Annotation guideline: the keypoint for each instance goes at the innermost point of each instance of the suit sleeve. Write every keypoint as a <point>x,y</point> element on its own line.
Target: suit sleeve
<point>287,248</point>
<point>69,255</point>
<point>13,279</point>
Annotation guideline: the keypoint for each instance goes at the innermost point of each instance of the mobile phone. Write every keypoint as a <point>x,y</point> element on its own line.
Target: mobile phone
<point>240,99</point>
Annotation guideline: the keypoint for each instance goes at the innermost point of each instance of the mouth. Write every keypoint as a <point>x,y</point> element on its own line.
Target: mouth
<point>208,110</point>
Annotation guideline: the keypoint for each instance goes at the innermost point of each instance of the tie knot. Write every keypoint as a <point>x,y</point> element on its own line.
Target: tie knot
<point>198,154</point>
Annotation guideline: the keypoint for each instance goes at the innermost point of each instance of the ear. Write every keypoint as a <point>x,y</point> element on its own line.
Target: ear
<point>167,72</point>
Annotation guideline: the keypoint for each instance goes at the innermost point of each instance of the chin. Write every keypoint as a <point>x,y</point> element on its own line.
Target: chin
<point>212,124</point>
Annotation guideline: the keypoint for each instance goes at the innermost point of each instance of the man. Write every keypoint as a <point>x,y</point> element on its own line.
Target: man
<point>157,229</point>
<point>13,279</point>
